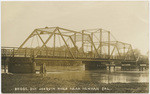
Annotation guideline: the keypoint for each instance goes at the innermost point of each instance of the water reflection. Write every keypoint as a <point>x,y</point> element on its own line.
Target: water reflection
<point>100,76</point>
<point>78,74</point>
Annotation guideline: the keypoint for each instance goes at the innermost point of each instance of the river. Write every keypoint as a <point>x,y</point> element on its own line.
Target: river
<point>73,76</point>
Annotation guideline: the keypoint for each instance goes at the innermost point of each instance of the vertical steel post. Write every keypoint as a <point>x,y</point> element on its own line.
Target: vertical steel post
<point>100,41</point>
<point>91,43</point>
<point>108,44</point>
<point>83,41</point>
<point>54,45</point>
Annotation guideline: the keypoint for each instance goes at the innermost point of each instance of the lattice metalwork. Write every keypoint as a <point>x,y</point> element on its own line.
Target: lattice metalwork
<point>60,42</point>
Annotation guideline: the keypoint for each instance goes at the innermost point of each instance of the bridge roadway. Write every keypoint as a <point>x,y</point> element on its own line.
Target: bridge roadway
<point>60,55</point>
<point>25,60</point>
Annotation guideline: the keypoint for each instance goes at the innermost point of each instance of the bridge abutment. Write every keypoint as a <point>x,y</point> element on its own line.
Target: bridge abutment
<point>21,65</point>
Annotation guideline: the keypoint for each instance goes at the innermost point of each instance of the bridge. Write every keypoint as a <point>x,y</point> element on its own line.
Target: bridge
<point>56,43</point>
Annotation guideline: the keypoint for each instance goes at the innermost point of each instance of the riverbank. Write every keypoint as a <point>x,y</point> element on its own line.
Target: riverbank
<point>33,83</point>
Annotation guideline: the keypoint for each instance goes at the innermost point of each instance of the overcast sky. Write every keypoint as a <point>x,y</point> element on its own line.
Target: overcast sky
<point>127,21</point>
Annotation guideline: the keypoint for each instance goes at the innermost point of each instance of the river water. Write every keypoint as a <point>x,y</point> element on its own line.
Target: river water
<point>76,76</point>
<point>101,76</point>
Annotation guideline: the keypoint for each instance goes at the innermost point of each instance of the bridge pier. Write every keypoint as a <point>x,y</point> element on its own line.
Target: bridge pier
<point>128,66</point>
<point>4,63</point>
<point>21,65</point>
<point>91,65</point>
<point>110,65</point>
<point>124,68</point>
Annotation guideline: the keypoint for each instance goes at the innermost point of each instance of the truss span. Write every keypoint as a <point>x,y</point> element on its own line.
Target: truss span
<point>57,42</point>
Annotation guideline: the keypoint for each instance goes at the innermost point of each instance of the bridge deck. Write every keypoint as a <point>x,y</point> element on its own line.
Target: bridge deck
<point>59,55</point>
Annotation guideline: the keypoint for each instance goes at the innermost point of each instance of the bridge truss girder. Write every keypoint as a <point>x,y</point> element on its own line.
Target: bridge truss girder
<point>84,37</point>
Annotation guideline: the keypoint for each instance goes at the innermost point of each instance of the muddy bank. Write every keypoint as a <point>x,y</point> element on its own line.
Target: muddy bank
<point>27,83</point>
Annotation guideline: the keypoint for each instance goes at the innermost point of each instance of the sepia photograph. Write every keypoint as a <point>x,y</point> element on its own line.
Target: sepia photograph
<point>75,47</point>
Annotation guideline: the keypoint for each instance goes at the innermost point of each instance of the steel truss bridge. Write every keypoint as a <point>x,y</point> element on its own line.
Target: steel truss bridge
<point>56,43</point>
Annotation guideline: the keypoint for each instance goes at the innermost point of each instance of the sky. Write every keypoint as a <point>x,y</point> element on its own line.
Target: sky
<point>126,20</point>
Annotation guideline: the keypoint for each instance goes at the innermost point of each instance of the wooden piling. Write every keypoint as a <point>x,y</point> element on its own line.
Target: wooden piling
<point>109,67</point>
<point>43,68</point>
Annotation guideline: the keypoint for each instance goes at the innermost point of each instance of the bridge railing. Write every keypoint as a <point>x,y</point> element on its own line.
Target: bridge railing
<point>26,52</point>
<point>15,52</point>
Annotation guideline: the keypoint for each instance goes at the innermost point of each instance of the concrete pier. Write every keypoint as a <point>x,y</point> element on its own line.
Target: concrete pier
<point>21,65</point>
<point>125,67</point>
<point>110,65</point>
<point>94,65</point>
